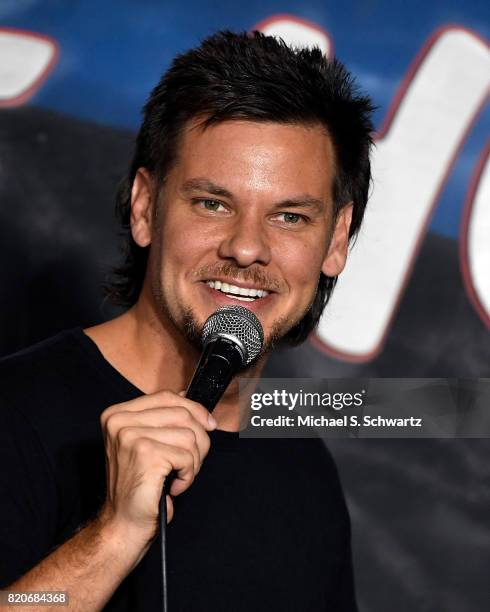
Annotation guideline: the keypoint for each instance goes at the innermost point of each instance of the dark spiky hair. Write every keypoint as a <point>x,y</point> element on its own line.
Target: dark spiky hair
<point>257,78</point>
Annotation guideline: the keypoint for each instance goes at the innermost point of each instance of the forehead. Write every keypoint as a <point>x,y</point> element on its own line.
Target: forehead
<point>255,159</point>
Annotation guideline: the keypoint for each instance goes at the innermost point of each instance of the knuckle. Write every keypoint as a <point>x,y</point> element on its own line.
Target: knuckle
<point>112,424</point>
<point>106,414</point>
<point>184,415</point>
<point>143,446</point>
<point>187,457</point>
<point>163,466</point>
<point>125,436</point>
<point>189,435</point>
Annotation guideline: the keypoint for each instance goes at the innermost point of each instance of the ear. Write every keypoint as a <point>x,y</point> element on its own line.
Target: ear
<point>141,207</point>
<point>334,262</point>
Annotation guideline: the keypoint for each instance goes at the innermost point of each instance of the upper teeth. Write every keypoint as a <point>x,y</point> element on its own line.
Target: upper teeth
<point>226,288</point>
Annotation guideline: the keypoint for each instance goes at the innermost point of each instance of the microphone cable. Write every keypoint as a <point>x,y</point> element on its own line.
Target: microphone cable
<point>163,542</point>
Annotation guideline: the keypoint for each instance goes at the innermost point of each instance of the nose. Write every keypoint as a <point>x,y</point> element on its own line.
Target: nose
<point>246,242</point>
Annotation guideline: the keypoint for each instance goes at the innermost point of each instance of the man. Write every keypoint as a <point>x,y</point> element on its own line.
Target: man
<point>250,175</point>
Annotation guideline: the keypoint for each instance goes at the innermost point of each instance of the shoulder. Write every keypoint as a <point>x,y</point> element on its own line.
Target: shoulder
<point>40,366</point>
<point>55,348</point>
<point>35,438</point>
<point>51,398</point>
<point>51,382</point>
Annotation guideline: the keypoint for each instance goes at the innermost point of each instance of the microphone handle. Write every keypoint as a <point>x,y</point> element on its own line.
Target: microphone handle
<point>220,360</point>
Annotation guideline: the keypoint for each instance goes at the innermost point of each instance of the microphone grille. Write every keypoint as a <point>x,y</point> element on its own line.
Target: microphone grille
<point>239,322</point>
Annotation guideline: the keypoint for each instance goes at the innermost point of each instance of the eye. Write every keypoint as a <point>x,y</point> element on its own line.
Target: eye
<point>211,205</point>
<point>290,218</point>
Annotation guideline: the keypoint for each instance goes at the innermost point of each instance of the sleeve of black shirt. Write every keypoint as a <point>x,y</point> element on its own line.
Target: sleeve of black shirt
<point>28,497</point>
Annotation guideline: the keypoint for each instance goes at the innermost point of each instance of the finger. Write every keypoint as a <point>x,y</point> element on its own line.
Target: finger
<point>156,457</point>
<point>175,417</point>
<point>181,437</point>
<point>161,399</point>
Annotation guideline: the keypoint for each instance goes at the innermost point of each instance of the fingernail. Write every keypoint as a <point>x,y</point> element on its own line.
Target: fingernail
<point>182,393</point>
<point>212,422</point>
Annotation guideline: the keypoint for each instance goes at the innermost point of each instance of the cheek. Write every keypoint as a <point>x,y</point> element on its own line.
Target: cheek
<point>175,246</point>
<point>300,263</point>
<point>185,245</point>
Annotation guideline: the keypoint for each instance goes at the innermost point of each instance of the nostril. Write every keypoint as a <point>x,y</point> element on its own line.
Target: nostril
<point>246,248</point>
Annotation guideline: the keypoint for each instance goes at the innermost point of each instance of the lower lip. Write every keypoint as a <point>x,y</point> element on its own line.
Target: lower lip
<point>223,299</point>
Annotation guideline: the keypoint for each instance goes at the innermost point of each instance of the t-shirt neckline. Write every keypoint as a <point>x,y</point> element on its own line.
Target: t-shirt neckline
<point>110,373</point>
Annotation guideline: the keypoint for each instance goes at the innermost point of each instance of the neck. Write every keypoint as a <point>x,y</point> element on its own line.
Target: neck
<point>153,355</point>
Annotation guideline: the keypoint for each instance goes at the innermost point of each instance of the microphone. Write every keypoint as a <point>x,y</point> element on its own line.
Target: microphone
<point>232,337</point>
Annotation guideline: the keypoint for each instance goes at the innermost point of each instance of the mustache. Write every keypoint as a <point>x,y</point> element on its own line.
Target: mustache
<point>253,274</point>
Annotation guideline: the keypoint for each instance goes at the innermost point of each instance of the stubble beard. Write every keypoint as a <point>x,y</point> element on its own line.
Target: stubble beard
<point>187,323</point>
<point>190,328</point>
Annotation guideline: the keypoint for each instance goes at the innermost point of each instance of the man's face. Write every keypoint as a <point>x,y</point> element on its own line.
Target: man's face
<point>244,217</point>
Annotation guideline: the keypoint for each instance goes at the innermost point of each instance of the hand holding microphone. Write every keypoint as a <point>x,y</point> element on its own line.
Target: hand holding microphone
<point>152,436</point>
<point>146,439</point>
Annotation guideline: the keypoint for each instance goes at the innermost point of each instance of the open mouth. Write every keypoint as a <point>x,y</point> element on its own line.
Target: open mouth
<point>244,294</point>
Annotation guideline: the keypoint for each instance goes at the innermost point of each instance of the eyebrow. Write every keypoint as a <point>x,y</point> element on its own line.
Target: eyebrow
<point>202,184</point>
<point>303,201</point>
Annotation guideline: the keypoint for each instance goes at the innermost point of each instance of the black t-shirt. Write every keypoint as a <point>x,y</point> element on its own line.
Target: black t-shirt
<point>263,527</point>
